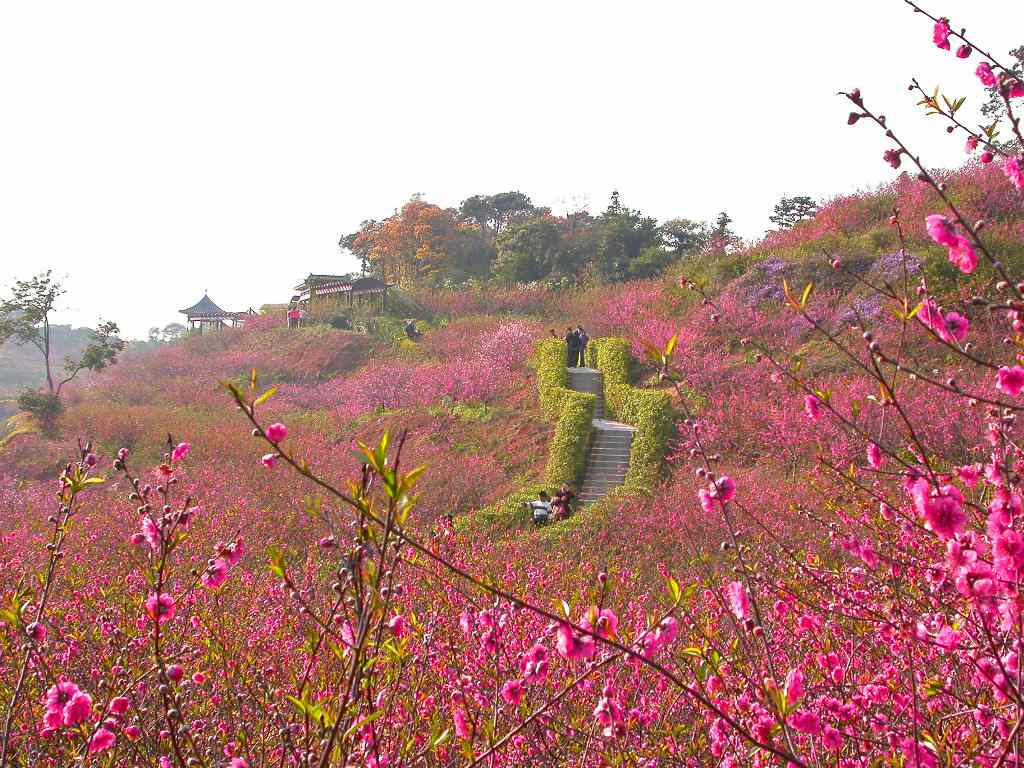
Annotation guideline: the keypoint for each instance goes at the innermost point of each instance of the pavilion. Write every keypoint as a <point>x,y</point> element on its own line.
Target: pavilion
<point>351,291</point>
<point>205,314</point>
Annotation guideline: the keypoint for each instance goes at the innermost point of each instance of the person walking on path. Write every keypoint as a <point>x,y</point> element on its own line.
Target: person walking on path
<point>572,348</point>
<point>293,317</point>
<point>581,341</point>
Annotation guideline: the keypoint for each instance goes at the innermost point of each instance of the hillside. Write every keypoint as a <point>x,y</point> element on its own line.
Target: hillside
<point>810,511</point>
<point>21,366</point>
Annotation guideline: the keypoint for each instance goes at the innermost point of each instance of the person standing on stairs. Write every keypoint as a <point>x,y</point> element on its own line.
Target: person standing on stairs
<point>572,348</point>
<point>581,341</point>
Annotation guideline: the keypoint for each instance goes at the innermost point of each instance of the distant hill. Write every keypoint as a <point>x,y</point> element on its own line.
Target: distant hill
<point>22,366</point>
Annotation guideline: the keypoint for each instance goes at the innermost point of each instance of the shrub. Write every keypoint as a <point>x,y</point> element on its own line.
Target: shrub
<point>649,411</point>
<point>567,453</point>
<point>45,407</point>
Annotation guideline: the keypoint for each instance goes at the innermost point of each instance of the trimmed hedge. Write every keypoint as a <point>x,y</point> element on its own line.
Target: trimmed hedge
<point>567,453</point>
<point>572,411</point>
<point>648,410</point>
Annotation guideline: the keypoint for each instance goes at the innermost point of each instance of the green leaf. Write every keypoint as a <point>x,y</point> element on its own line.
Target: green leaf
<point>808,289</point>
<point>673,590</point>
<point>276,560</point>
<point>266,395</point>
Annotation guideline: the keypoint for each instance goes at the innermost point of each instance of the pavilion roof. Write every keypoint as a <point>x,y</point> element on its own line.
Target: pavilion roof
<point>204,306</point>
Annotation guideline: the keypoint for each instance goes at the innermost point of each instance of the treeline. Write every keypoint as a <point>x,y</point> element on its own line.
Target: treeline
<point>507,239</point>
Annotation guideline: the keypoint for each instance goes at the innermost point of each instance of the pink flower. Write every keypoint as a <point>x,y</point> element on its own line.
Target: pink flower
<point>198,678</point>
<point>277,432</point>
<point>963,52</point>
<point>101,741</point>
<point>181,451</point>
<point>269,460</point>
<point>606,624</point>
<point>892,157</point>
<point>957,325</point>
<point>1010,380</point>
<point>962,255</point>
<point>119,705</point>
<point>830,737</point>
<point>794,689</point>
<point>986,157</point>
<point>945,512</point>
<point>805,722</point>
<point>233,553</point>
<point>512,692</point>
<point>36,631</point>
<point>534,664</point>
<point>723,489</point>
<point>398,626</point>
<point>215,574</point>
<point>874,456</point>
<point>940,230</point>
<point>161,608</point>
<point>1015,88</point>
<point>132,732</point>
<point>969,474</point>
<point>175,672</point>
<point>150,533</point>
<point>812,407</point>
<point>573,647</point>
<point>986,75</point>
<point>972,144</point>
<point>948,638</point>
<point>461,724</point>
<point>739,600</point>
<point>238,762</point>
<point>1014,170</point>
<point>940,33</point>
<point>707,503</point>
<point>78,709</point>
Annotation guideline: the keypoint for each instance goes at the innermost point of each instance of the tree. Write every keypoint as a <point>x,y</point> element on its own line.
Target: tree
<point>527,251</point>
<point>624,234</point>
<point>791,210</point>
<point>684,237</point>
<point>25,319</point>
<point>493,213</point>
<point>721,238</point>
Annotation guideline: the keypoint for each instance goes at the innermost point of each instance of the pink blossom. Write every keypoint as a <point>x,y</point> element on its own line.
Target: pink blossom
<point>969,474</point>
<point>398,626</point>
<point>957,325</point>
<point>944,512</point>
<point>940,33</point>
<point>101,741</point>
<point>707,503</point>
<point>78,709</point>
<point>534,664</point>
<point>805,722</point>
<point>161,608</point>
<point>963,52</point>
<point>215,574</point>
<point>151,533</point>
<point>831,738</point>
<point>277,432</point>
<point>948,638</point>
<point>875,458</point>
<point>986,157</point>
<point>606,623</point>
<point>723,489</point>
<point>1015,88</point>
<point>986,75</point>
<point>812,407</point>
<point>1014,170</point>
<point>132,732</point>
<point>1010,380</point>
<point>892,157</point>
<point>512,692</point>
<point>462,729</point>
<point>739,600</point>
<point>972,144</point>
<point>794,688</point>
<point>574,647</point>
<point>36,631</point>
<point>119,705</point>
<point>941,230</point>
<point>181,451</point>
<point>269,460</point>
<point>175,672</point>
<point>238,762</point>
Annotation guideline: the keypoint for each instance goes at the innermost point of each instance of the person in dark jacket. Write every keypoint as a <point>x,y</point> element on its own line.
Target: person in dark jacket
<point>581,341</point>
<point>572,348</point>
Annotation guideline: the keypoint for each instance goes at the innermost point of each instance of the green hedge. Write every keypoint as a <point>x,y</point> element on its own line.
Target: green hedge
<point>648,410</point>
<point>567,452</point>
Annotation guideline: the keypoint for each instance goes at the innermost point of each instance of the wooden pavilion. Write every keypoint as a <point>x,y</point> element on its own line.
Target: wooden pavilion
<point>349,291</point>
<point>204,314</point>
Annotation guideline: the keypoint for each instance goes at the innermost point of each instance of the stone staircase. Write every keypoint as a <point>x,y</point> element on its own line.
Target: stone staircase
<point>610,443</point>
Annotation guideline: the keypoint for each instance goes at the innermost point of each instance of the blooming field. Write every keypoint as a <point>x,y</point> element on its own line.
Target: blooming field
<point>828,573</point>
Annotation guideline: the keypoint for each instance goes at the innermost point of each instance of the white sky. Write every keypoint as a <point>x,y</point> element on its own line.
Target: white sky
<point>151,150</point>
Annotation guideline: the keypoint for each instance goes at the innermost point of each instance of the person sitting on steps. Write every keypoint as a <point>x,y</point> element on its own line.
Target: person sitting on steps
<point>541,508</point>
<point>572,348</point>
<point>561,507</point>
<point>412,331</point>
